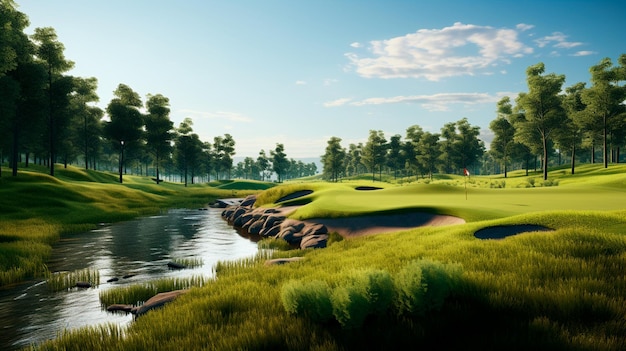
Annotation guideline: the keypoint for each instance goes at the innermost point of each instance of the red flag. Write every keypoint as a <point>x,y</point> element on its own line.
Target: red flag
<point>465,172</point>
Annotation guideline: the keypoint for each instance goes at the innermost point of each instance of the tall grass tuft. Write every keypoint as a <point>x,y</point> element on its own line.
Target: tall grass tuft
<point>274,244</point>
<point>188,262</point>
<point>137,294</point>
<point>308,298</point>
<point>68,280</point>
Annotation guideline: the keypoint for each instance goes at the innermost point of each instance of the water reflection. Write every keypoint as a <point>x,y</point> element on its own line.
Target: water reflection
<point>139,249</point>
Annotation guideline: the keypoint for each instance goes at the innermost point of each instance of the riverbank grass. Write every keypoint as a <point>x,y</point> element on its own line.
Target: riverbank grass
<point>83,278</point>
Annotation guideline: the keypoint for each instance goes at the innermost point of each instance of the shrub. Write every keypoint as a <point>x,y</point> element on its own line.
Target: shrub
<point>333,237</point>
<point>350,305</point>
<point>409,289</point>
<point>310,299</point>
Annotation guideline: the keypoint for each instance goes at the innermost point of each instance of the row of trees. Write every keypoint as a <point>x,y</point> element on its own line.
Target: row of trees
<point>50,116</point>
<point>549,119</point>
<point>419,153</point>
<point>544,121</point>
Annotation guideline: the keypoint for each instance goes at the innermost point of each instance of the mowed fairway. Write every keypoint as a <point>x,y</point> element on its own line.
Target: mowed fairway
<point>594,190</point>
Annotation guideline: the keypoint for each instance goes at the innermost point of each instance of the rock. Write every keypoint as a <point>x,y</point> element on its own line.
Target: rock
<point>120,308</point>
<point>314,229</point>
<point>114,279</point>
<point>83,285</point>
<point>273,220</point>
<point>279,261</point>
<point>270,232</point>
<point>175,265</point>
<point>255,228</point>
<point>248,201</point>
<point>315,241</point>
<point>128,276</point>
<point>157,301</point>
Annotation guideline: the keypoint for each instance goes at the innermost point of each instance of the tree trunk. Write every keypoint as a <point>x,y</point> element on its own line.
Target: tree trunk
<point>606,156</point>
<point>545,158</point>
<point>573,157</point>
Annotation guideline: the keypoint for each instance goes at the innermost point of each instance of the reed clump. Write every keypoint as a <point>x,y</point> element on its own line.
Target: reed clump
<point>137,294</point>
<point>67,280</point>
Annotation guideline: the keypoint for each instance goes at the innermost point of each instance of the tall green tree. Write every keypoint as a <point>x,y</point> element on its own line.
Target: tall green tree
<point>224,150</point>
<point>542,109</point>
<point>395,156</point>
<point>503,132</point>
<point>21,84</point>
<point>264,164</point>
<point>374,151</point>
<point>353,159</point>
<point>333,159</point>
<point>159,129</point>
<point>50,51</point>
<point>429,152</point>
<point>86,117</point>
<point>280,163</point>
<point>410,149</point>
<point>605,98</point>
<point>569,136</point>
<point>188,150</point>
<point>126,121</point>
<point>469,148</point>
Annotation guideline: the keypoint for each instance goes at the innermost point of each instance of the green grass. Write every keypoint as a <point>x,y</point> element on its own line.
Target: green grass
<point>67,280</point>
<point>558,290</point>
<point>137,294</point>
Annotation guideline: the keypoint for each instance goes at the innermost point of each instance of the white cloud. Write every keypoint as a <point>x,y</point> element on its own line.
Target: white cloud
<point>300,82</point>
<point>218,115</point>
<point>356,45</point>
<point>330,81</point>
<point>557,40</point>
<point>338,102</point>
<point>584,53</point>
<point>462,49</point>
<point>434,102</point>
<point>524,27</point>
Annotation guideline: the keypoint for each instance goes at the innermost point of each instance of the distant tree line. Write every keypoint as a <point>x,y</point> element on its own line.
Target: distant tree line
<point>49,117</point>
<point>546,124</point>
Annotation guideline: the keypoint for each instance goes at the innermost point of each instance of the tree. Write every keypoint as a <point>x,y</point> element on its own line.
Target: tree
<point>333,159</point>
<point>373,153</point>
<point>86,118</point>
<point>224,152</point>
<point>604,99</point>
<point>188,149</point>
<point>542,109</point>
<point>569,135</point>
<point>50,51</point>
<point>21,84</point>
<point>353,159</point>
<point>429,152</point>
<point>503,132</point>
<point>264,165</point>
<point>126,121</point>
<point>159,129</point>
<point>395,159</point>
<point>410,149</point>
<point>468,147</point>
<point>280,164</point>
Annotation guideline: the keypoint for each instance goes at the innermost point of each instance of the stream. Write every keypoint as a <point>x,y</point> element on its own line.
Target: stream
<point>138,250</point>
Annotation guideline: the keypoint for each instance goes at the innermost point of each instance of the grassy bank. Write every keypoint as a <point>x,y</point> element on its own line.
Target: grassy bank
<point>559,290</point>
<point>36,209</point>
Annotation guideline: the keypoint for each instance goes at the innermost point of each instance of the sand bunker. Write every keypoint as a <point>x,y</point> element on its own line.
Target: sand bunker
<point>378,224</point>
<point>294,195</point>
<point>502,231</point>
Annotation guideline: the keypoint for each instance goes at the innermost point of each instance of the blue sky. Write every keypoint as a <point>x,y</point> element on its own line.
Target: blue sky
<point>300,72</point>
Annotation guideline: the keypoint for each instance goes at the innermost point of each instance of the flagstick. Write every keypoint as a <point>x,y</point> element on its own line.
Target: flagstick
<point>465,187</point>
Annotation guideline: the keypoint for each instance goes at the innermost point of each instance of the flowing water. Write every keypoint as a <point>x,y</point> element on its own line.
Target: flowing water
<point>138,250</point>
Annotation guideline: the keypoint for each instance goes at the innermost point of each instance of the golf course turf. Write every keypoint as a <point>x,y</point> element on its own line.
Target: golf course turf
<point>563,289</point>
